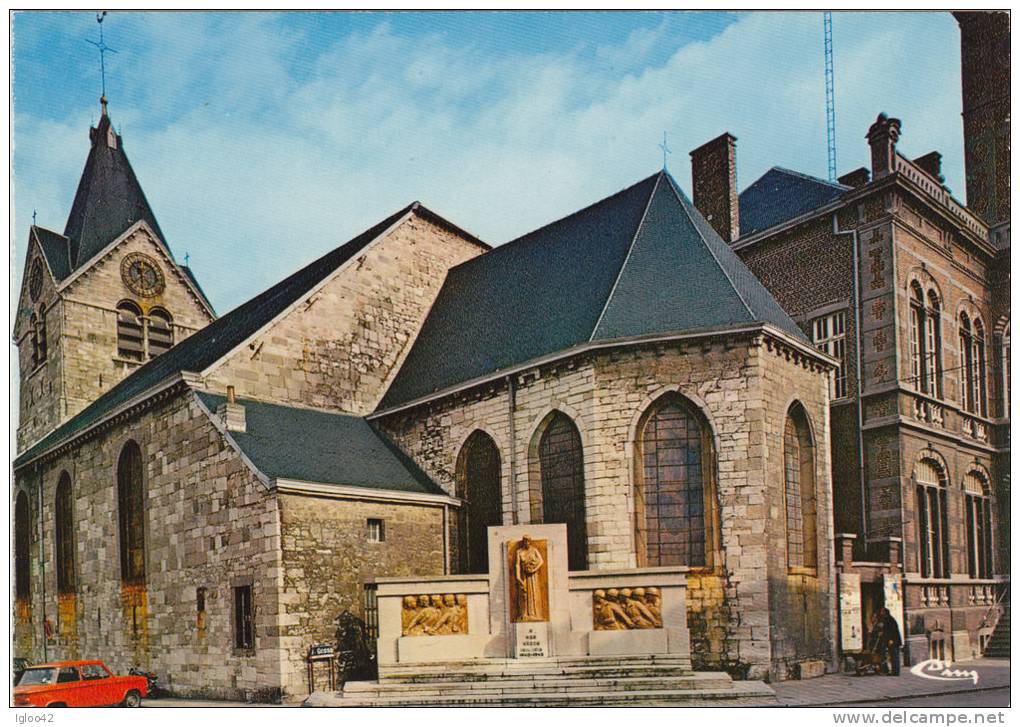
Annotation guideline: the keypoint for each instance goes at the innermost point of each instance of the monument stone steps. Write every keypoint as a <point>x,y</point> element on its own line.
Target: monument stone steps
<point>579,695</point>
<point>614,667</point>
<point>539,683</point>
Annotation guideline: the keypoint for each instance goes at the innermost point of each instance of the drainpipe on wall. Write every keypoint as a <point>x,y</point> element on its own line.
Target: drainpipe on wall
<point>511,408</point>
<point>860,380</point>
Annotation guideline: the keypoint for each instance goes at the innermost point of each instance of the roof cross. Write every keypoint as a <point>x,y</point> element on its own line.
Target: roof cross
<point>33,218</point>
<point>187,257</point>
<point>665,150</point>
<point>103,50</point>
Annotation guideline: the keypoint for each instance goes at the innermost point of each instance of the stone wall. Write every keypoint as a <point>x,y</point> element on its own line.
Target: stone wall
<point>341,345</point>
<point>209,523</point>
<point>605,395</point>
<point>82,334</point>
<point>328,559</point>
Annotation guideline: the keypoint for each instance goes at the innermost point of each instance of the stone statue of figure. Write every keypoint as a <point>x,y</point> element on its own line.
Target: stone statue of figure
<point>653,600</point>
<point>527,563</point>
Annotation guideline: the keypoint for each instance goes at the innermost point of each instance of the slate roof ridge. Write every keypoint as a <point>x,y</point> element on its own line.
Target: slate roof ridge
<point>630,248</point>
<point>521,239</point>
<point>673,186</point>
<point>803,175</point>
<point>419,207</point>
<point>191,353</point>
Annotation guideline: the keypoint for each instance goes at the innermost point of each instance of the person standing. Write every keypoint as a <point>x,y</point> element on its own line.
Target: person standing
<point>893,640</point>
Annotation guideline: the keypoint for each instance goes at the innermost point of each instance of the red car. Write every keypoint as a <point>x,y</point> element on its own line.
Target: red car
<point>77,684</point>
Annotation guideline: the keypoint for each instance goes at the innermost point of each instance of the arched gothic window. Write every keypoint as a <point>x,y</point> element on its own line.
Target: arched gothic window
<point>130,334</point>
<point>978,358</point>
<point>64,506</point>
<point>478,484</point>
<point>932,519</point>
<point>925,341</point>
<point>673,497</point>
<point>933,346</point>
<point>979,525</point>
<point>22,545</point>
<point>131,499</point>
<point>1004,369</point>
<point>801,505</point>
<point>160,332</point>
<point>561,462</point>
<point>973,384</point>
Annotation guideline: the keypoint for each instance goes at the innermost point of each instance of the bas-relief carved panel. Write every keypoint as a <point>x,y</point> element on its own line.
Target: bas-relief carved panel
<point>528,562</point>
<point>624,609</point>
<point>434,615</point>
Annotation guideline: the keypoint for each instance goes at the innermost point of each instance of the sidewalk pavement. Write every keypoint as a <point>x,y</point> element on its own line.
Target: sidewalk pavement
<point>833,689</point>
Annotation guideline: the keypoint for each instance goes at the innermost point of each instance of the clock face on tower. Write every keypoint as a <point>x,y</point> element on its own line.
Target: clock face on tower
<point>35,280</point>
<point>142,275</point>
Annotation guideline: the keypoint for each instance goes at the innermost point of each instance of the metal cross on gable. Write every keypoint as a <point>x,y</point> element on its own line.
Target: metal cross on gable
<point>103,49</point>
<point>665,150</point>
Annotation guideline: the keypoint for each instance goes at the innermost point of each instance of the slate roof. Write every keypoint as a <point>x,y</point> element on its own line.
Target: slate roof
<point>315,446</point>
<point>57,250</point>
<point>780,195</point>
<point>194,281</point>
<point>209,344</point>
<point>641,262</point>
<point>108,201</point>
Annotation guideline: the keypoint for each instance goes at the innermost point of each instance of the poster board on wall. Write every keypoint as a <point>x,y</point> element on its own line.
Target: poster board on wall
<point>850,624</point>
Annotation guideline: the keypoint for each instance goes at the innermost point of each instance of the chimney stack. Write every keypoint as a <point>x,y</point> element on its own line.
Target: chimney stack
<point>231,413</point>
<point>857,178</point>
<point>932,164</point>
<point>714,177</point>
<point>882,137</point>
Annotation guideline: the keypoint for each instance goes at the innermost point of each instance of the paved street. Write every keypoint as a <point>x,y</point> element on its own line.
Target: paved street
<point>984,699</point>
<point>907,691</point>
<point>882,690</point>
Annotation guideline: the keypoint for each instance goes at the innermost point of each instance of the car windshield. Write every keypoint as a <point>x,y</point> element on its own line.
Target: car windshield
<point>37,676</point>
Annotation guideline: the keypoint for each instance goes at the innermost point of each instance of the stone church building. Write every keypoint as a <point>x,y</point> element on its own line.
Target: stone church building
<point>204,496</point>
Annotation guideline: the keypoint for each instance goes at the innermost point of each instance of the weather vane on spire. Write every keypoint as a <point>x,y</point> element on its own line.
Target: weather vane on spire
<point>665,150</point>
<point>103,50</point>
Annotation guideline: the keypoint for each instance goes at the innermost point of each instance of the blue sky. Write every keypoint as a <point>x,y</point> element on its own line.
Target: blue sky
<point>264,140</point>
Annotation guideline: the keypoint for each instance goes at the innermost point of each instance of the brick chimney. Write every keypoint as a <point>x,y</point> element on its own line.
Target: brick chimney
<point>714,175</point>
<point>857,178</point>
<point>882,137</point>
<point>932,164</point>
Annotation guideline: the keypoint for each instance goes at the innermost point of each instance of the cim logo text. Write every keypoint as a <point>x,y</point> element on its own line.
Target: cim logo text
<point>943,671</point>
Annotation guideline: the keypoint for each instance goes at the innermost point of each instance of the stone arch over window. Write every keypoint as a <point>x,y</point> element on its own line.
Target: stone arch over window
<point>929,476</point>
<point>67,576</point>
<point>478,486</point>
<point>559,455</point>
<point>130,331</point>
<point>674,493</point>
<point>22,547</point>
<point>800,490</point>
<point>131,511</point>
<point>160,332</point>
